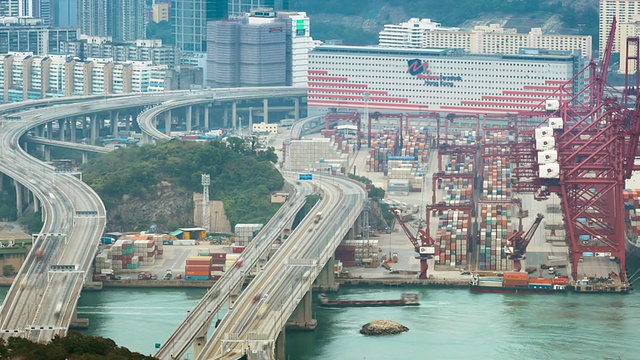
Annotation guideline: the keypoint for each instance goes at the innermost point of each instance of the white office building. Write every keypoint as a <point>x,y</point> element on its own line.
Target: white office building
<point>352,78</point>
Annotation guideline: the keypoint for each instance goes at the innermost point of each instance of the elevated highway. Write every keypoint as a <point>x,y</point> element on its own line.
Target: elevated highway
<point>67,144</point>
<point>42,300</point>
<point>252,326</point>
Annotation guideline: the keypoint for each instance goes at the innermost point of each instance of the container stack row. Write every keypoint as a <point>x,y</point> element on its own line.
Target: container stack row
<point>315,153</point>
<point>122,255</point>
<point>145,251</point>
<point>246,232</point>
<point>495,217</point>
<point>457,191</point>
<point>452,236</point>
<point>364,251</point>
<point>346,254</point>
<point>199,268</point>
<point>387,151</point>
<point>495,225</point>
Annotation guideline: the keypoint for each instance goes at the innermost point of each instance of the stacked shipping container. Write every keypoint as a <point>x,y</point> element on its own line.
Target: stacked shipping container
<point>452,236</point>
<point>198,268</point>
<point>245,233</point>
<point>495,223</point>
<point>414,151</point>
<point>122,255</point>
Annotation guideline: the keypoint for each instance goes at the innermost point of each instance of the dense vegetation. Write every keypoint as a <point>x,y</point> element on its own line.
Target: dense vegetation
<point>240,176</point>
<point>74,346</point>
<point>376,194</point>
<point>579,15</point>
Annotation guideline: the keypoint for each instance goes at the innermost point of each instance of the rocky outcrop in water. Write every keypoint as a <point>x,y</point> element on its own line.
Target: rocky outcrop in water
<point>383,327</point>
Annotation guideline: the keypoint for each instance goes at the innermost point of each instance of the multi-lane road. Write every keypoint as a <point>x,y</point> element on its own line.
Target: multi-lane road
<point>42,299</point>
<point>252,326</point>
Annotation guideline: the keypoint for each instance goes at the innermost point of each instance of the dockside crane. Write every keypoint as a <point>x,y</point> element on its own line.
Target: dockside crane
<point>425,246</point>
<point>517,243</point>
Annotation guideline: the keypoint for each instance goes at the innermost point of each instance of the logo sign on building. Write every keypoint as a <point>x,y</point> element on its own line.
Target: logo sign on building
<point>300,32</point>
<point>420,69</point>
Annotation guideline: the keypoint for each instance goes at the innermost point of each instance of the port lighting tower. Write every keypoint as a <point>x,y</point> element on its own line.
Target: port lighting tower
<point>584,151</point>
<point>206,217</point>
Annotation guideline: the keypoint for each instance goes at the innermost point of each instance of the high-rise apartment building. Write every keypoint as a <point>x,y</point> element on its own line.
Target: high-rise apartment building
<point>25,76</point>
<point>38,39</point>
<point>124,20</point>
<point>160,12</point>
<point>238,8</point>
<point>492,39</point>
<point>242,50</point>
<point>65,13</point>
<point>247,52</point>
<point>625,11</point>
<point>189,21</point>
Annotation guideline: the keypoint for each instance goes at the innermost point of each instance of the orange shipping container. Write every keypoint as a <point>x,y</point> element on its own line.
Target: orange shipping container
<point>541,281</point>
<point>516,276</point>
<point>196,273</point>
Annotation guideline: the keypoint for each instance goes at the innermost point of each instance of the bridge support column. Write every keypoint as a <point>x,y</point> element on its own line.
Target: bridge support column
<point>47,152</point>
<point>84,127</point>
<point>94,129</point>
<point>302,316</point>
<point>198,343</point>
<point>225,116</point>
<point>127,123</point>
<point>281,346</point>
<point>189,109</point>
<point>206,117</point>
<point>296,109</point>
<point>234,115</point>
<point>250,120</point>
<point>85,157</point>
<point>265,110</point>
<point>78,323</point>
<point>326,279</point>
<point>197,122</point>
<point>114,123</point>
<point>19,205</point>
<point>167,122</point>
<point>62,124</point>
<point>50,130</point>
<point>36,203</point>
<point>72,129</point>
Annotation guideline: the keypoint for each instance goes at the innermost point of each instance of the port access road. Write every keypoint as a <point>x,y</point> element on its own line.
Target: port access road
<point>252,326</point>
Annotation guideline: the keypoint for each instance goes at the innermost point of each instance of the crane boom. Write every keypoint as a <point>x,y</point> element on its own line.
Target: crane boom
<point>518,242</point>
<point>425,246</point>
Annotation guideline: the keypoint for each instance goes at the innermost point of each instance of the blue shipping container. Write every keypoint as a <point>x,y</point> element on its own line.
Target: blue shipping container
<point>198,277</point>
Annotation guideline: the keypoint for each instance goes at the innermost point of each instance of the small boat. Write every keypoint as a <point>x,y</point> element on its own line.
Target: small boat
<point>406,299</point>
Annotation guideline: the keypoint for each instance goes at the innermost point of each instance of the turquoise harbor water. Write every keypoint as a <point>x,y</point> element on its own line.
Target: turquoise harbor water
<point>449,324</point>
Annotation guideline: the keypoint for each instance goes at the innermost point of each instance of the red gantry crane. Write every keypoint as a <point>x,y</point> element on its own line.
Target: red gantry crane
<point>517,243</point>
<point>584,151</point>
<point>425,247</point>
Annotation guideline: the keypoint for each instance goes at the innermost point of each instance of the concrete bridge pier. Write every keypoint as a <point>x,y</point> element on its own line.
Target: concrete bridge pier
<point>206,117</point>
<point>72,135</point>
<point>265,110</point>
<point>114,123</point>
<point>47,153</point>
<point>296,108</point>
<point>225,116</point>
<point>199,342</point>
<point>94,129</point>
<point>61,126</point>
<point>85,157</point>
<point>19,204</point>
<point>78,323</point>
<point>281,346</point>
<point>234,115</point>
<point>167,122</point>
<point>36,203</point>
<point>302,316</point>
<point>197,121</point>
<point>326,279</point>
<point>188,118</point>
<point>50,130</point>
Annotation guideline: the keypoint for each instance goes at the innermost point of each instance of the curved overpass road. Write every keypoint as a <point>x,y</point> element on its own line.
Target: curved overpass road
<point>262,310</point>
<point>42,299</point>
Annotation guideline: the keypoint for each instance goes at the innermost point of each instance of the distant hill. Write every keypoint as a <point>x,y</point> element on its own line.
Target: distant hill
<point>359,21</point>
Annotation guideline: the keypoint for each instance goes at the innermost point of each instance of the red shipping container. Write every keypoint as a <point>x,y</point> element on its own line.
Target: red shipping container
<point>219,261</point>
<point>194,262</point>
<point>217,268</point>
<point>218,255</point>
<point>237,249</point>
<point>198,267</point>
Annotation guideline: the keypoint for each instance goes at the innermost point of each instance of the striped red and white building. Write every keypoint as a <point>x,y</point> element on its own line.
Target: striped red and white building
<point>385,79</point>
